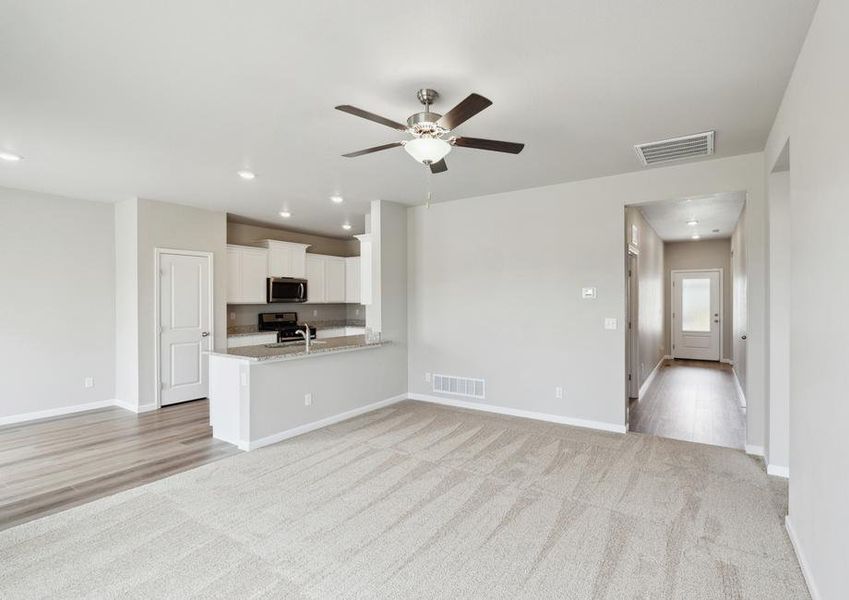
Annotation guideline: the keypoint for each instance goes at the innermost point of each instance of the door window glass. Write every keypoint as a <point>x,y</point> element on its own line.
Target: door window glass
<point>695,305</point>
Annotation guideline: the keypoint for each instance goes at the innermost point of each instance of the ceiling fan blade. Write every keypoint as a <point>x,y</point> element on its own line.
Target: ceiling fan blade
<point>438,167</point>
<point>494,145</point>
<point>464,111</point>
<point>374,149</point>
<point>358,112</point>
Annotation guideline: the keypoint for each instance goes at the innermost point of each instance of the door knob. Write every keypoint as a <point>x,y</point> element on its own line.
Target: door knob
<point>205,334</point>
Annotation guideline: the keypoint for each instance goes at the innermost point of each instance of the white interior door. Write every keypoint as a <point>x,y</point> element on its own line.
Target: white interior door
<point>696,314</point>
<point>184,319</point>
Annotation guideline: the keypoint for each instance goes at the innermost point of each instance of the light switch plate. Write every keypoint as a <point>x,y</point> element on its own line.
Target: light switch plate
<point>589,293</point>
<point>307,399</point>
<point>609,323</point>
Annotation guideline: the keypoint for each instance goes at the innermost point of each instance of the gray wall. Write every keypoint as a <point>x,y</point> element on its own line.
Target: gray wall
<point>651,327</point>
<point>814,117</point>
<point>240,233</point>
<point>495,288</point>
<point>702,254</point>
<point>57,310</point>
<point>167,226</point>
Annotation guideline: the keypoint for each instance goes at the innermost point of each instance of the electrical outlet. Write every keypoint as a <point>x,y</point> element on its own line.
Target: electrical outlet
<point>427,377</point>
<point>558,392</point>
<point>307,399</point>
<point>89,382</point>
<point>357,312</point>
<point>315,312</point>
<point>232,316</point>
<point>610,323</point>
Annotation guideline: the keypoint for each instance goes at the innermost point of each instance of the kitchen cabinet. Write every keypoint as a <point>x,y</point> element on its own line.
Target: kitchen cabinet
<point>352,280</point>
<point>365,268</point>
<point>258,339</point>
<point>247,269</point>
<point>286,259</point>
<point>326,278</point>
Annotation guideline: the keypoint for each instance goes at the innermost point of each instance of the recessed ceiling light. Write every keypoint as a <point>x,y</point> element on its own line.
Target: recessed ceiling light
<point>285,214</point>
<point>8,156</point>
<point>247,175</point>
<point>696,236</point>
<point>337,199</point>
<point>692,222</point>
<point>346,226</point>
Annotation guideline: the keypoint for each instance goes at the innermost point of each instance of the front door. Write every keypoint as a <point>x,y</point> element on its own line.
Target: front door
<point>184,320</point>
<point>696,319</point>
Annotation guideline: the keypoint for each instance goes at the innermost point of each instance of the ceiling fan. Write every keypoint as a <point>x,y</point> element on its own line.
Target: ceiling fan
<point>432,139</point>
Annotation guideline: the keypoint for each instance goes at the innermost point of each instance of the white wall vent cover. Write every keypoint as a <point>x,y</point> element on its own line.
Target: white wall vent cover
<point>459,386</point>
<point>689,146</point>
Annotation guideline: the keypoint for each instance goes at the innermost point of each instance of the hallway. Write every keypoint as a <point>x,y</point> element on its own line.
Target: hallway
<point>695,401</point>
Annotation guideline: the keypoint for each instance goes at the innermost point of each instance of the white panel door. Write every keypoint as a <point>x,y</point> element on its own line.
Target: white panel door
<point>184,320</point>
<point>696,314</point>
<point>334,277</point>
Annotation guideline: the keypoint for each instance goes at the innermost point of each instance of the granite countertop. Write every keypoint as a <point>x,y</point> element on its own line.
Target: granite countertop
<point>242,330</point>
<point>296,350</point>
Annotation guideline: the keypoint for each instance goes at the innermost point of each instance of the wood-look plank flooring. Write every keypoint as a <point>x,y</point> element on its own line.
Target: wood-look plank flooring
<point>692,400</point>
<point>54,464</point>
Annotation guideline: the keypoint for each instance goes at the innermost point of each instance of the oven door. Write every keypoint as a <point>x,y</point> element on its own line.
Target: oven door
<point>286,289</point>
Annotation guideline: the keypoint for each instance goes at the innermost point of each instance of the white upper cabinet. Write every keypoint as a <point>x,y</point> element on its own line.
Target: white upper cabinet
<point>315,271</point>
<point>286,259</point>
<point>352,280</point>
<point>334,278</point>
<point>326,278</point>
<point>247,269</point>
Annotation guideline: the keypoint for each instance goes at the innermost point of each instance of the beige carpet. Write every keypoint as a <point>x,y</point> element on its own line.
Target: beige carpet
<point>419,501</point>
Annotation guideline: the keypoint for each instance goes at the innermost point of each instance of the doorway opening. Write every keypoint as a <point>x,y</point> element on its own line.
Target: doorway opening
<point>685,299</point>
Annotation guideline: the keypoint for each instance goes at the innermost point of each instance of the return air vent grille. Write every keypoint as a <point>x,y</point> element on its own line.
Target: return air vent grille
<point>689,146</point>
<point>459,386</point>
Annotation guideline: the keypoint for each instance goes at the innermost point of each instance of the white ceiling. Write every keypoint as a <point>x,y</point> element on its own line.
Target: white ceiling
<point>168,99</point>
<point>717,216</point>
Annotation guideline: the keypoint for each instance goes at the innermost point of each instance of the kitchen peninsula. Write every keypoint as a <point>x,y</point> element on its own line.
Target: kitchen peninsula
<point>263,394</point>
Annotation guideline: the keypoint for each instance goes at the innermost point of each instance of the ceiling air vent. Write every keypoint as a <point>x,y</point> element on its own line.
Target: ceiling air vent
<point>689,146</point>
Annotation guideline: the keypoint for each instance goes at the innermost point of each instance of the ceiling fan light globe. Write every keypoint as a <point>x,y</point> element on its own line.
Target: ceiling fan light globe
<point>427,150</point>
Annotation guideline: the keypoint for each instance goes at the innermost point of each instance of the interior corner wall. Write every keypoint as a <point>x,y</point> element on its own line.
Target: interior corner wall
<point>814,118</point>
<point>495,288</point>
<point>127,304</point>
<point>740,316</point>
<point>651,329</point>
<point>702,254</point>
<point>57,309</point>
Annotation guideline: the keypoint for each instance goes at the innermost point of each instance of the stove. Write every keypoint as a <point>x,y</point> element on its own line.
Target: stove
<point>285,324</point>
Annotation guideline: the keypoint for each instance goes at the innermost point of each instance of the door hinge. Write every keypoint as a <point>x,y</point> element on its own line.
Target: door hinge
<point>629,377</point>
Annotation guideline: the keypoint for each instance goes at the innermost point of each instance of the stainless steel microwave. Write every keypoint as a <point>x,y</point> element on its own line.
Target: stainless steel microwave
<point>286,289</point>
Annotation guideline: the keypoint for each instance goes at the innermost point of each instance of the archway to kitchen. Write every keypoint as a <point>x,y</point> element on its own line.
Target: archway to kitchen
<point>685,318</point>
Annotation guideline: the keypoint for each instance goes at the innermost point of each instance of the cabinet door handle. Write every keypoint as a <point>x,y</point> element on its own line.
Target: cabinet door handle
<point>205,334</point>
<point>743,337</point>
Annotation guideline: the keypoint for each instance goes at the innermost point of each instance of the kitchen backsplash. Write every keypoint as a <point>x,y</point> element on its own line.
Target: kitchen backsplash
<point>246,314</point>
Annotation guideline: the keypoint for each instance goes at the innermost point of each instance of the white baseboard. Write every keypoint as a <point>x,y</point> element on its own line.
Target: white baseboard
<point>650,378</point>
<point>778,471</point>
<point>515,412</point>
<point>301,429</point>
<point>755,450</point>
<point>55,412</point>
<point>134,408</point>
<point>806,570</point>
<point>740,393</point>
